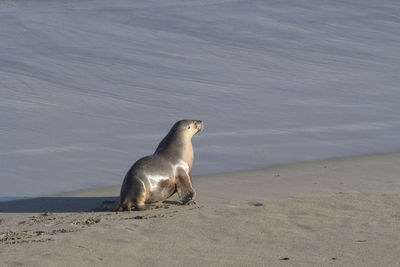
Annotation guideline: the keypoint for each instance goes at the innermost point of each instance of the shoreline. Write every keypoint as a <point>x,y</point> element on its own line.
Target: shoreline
<point>202,176</point>
<point>342,212</point>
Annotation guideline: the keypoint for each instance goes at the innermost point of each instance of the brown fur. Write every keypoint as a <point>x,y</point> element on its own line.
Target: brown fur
<point>164,183</point>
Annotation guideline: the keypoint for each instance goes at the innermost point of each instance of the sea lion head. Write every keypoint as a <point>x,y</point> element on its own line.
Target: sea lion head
<point>189,127</point>
<point>180,135</point>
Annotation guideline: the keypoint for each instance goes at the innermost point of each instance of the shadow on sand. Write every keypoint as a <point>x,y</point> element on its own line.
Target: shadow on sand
<point>59,204</point>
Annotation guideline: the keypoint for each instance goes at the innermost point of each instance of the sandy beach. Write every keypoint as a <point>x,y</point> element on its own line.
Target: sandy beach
<point>338,212</point>
<point>89,87</point>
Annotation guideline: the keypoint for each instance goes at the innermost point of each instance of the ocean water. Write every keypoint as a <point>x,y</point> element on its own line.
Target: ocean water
<point>88,87</point>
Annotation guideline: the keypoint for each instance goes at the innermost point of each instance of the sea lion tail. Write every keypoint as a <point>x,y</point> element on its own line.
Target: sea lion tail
<point>124,207</point>
<point>120,208</point>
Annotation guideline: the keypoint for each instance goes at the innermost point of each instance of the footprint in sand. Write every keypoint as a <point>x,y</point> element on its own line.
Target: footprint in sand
<point>47,218</point>
<point>16,237</point>
<point>86,222</point>
<point>256,204</point>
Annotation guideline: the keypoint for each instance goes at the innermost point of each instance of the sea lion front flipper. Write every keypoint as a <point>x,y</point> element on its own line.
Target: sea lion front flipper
<point>184,188</point>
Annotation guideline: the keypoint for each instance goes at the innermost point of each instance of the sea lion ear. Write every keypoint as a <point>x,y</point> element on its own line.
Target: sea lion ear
<point>176,126</point>
<point>181,123</point>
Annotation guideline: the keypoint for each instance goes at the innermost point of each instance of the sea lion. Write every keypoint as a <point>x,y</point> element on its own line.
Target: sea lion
<point>159,176</point>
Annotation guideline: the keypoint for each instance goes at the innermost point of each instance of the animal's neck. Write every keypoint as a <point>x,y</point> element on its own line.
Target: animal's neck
<point>179,145</point>
<point>188,154</point>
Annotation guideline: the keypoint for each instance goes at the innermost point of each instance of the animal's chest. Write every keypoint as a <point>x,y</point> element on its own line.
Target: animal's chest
<point>188,156</point>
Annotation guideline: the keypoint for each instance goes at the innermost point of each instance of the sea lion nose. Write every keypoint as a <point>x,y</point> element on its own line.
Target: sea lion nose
<point>199,124</point>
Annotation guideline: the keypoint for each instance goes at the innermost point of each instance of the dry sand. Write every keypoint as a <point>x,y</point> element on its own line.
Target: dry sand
<point>339,212</point>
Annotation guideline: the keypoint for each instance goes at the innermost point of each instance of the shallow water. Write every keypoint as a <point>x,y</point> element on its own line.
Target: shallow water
<point>88,87</point>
